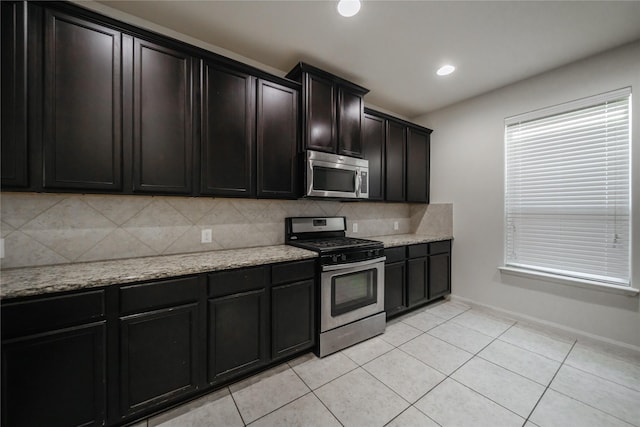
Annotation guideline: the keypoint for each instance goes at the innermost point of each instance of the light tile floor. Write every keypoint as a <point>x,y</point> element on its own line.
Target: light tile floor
<point>444,365</point>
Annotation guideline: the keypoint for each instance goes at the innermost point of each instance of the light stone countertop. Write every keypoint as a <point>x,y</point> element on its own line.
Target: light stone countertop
<point>27,281</point>
<point>409,239</point>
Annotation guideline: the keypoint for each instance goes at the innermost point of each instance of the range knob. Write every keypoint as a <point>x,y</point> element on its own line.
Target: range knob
<point>343,257</point>
<point>334,258</point>
<point>369,254</point>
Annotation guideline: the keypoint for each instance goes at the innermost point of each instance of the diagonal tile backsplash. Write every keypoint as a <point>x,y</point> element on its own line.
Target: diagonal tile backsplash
<point>43,229</point>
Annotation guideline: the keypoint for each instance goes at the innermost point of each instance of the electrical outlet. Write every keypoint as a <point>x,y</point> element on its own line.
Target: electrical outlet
<point>206,236</point>
<point>355,227</point>
<point>395,225</point>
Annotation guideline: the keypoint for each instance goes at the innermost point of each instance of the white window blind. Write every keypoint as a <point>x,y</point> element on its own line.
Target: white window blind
<point>567,201</point>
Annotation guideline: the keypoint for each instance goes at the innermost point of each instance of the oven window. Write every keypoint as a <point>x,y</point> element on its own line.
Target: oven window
<point>352,291</point>
<point>330,179</point>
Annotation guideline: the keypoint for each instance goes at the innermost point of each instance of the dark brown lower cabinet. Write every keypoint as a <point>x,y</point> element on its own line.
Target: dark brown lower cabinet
<point>416,275</point>
<point>238,326</point>
<point>292,326</point>
<point>159,356</point>
<point>56,378</point>
<point>160,343</point>
<point>417,284</point>
<point>238,322</point>
<point>292,308</point>
<point>439,275</point>
<point>395,295</point>
<point>114,355</point>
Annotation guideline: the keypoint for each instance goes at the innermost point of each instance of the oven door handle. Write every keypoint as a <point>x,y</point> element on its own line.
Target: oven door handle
<point>353,264</point>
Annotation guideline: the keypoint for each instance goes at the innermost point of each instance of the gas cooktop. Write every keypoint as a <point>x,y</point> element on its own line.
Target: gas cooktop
<point>334,243</point>
<point>326,235</point>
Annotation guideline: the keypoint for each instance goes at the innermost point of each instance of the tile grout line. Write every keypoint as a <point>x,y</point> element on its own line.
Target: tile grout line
<point>236,405</point>
<point>549,385</point>
<point>603,378</point>
<point>376,378</point>
<point>585,403</point>
<point>412,406</point>
<point>521,348</point>
<point>384,384</point>
<point>535,352</point>
<point>314,392</point>
<point>455,370</point>
<point>477,355</point>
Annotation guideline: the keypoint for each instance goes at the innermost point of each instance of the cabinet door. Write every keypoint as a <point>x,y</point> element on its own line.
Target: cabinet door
<point>417,166</point>
<point>395,299</point>
<point>277,139</point>
<point>350,112</point>
<point>162,122</point>
<point>13,51</point>
<point>55,378</point>
<point>320,114</point>
<point>158,356</point>
<point>439,275</point>
<point>228,123</point>
<point>417,274</point>
<point>292,318</point>
<point>82,105</point>
<point>238,328</point>
<point>373,150</point>
<point>395,162</point>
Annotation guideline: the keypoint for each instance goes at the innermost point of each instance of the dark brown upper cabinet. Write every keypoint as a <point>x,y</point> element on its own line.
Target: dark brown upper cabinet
<point>162,119</point>
<point>277,140</point>
<point>401,150</point>
<point>395,154</point>
<point>417,165</point>
<point>350,116</point>
<point>82,109</point>
<point>227,137</point>
<point>320,119</point>
<point>373,150</point>
<point>332,111</point>
<point>13,51</point>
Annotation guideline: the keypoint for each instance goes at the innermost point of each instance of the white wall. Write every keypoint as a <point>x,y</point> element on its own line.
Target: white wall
<point>467,169</point>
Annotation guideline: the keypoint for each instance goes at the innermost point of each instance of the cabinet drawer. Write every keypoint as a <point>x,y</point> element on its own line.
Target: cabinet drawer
<point>440,247</point>
<point>420,250</point>
<point>292,272</point>
<point>235,281</point>
<point>135,298</point>
<point>395,254</point>
<point>48,313</point>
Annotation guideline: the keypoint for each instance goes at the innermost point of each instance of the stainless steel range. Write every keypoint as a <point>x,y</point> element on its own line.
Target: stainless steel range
<point>351,291</point>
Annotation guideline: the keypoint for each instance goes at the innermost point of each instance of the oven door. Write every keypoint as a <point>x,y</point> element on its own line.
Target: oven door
<point>351,292</point>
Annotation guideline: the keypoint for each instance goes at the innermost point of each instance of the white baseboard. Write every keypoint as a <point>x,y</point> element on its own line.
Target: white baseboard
<point>552,326</point>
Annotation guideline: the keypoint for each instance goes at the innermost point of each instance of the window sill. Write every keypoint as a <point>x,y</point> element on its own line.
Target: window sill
<point>581,283</point>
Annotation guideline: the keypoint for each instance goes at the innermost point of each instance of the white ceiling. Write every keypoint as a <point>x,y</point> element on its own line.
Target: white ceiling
<point>394,47</point>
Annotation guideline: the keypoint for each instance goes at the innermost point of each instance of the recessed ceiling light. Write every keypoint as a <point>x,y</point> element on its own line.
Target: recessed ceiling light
<point>445,70</point>
<point>348,8</point>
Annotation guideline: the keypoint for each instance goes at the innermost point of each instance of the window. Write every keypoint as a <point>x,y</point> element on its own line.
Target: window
<point>567,201</point>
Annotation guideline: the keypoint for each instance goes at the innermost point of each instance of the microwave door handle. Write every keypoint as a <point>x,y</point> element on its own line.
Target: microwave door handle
<point>309,178</point>
<point>357,182</point>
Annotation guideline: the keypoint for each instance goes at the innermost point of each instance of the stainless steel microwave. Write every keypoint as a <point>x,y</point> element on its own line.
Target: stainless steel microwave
<point>335,176</point>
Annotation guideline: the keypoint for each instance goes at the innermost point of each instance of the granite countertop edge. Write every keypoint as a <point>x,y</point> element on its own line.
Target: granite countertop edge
<point>391,241</point>
<point>31,281</point>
